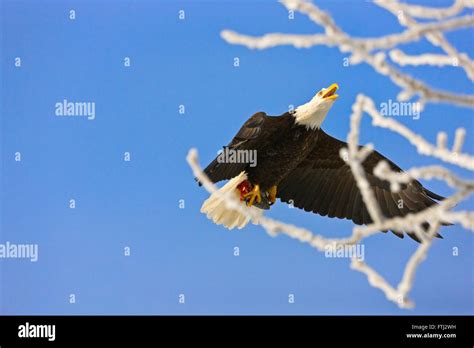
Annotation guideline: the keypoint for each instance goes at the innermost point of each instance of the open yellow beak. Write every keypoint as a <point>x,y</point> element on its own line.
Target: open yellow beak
<point>330,92</point>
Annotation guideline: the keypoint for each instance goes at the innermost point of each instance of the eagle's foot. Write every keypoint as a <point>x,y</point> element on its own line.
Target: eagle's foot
<point>272,193</point>
<point>253,196</point>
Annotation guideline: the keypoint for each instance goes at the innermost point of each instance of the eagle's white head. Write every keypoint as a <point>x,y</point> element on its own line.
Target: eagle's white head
<point>313,113</point>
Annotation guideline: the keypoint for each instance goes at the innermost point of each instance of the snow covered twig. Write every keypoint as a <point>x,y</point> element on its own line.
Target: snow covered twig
<point>439,60</point>
<point>361,49</point>
<point>402,12</point>
<point>436,12</point>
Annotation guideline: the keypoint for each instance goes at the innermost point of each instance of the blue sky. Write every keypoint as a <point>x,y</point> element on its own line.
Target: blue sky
<point>135,204</point>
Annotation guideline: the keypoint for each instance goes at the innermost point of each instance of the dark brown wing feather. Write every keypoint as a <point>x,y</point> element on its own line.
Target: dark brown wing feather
<point>254,131</point>
<point>324,184</point>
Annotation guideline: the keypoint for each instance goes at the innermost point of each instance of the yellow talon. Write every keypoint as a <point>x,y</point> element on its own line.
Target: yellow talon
<point>253,195</point>
<point>272,193</point>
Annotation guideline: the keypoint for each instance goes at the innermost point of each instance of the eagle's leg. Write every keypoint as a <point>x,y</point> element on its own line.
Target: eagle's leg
<point>272,194</point>
<point>253,196</point>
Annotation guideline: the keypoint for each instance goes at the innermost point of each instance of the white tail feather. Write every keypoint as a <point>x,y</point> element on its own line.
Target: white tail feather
<point>217,210</point>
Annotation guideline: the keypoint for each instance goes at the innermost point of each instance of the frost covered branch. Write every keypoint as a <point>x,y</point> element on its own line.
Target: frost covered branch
<point>422,145</point>
<point>383,171</point>
<point>415,33</point>
<point>403,59</point>
<point>436,38</point>
<point>436,12</point>
<point>370,44</point>
<point>361,50</point>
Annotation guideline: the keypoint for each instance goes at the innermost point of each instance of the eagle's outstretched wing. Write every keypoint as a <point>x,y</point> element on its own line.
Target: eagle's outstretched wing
<point>251,134</point>
<point>324,184</point>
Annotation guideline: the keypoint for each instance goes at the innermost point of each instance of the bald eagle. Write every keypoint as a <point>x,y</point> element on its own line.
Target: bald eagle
<point>299,163</point>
